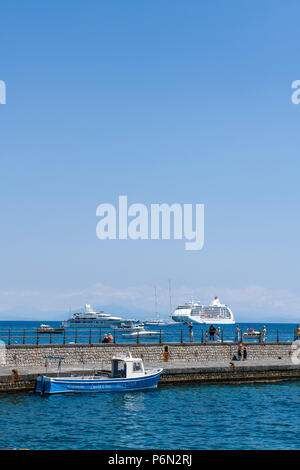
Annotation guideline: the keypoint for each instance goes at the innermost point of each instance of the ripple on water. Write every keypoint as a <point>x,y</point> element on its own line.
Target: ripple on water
<point>260,416</point>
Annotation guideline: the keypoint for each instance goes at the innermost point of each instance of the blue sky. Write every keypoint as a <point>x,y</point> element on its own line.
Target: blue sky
<point>186,102</point>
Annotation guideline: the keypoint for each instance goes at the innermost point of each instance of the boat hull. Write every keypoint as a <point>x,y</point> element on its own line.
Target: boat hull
<point>92,324</point>
<point>49,331</point>
<point>197,319</point>
<point>141,335</point>
<point>51,385</point>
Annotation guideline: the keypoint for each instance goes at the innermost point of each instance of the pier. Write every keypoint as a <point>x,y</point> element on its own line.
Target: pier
<point>173,374</point>
<point>183,363</point>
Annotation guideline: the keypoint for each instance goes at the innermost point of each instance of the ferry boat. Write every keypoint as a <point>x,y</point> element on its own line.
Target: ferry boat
<point>196,312</point>
<point>127,374</point>
<point>92,319</point>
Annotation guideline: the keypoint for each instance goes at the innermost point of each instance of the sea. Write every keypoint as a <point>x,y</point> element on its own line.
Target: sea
<point>261,416</point>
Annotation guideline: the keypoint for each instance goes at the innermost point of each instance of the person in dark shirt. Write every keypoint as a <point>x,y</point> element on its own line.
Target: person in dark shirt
<point>240,351</point>
<point>191,333</point>
<point>105,339</point>
<point>123,371</point>
<point>212,331</point>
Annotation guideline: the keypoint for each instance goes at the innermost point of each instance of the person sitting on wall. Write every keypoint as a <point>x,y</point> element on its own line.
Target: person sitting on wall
<point>240,351</point>
<point>105,339</point>
<point>110,338</point>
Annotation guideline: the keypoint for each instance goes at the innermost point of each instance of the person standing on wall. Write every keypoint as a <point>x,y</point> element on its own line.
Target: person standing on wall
<point>212,331</point>
<point>191,333</point>
<point>237,334</point>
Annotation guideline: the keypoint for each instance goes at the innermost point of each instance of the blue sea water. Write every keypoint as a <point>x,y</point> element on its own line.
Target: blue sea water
<point>258,416</point>
<point>212,417</point>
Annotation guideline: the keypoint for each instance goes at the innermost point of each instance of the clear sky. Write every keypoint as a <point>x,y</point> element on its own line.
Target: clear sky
<point>172,101</point>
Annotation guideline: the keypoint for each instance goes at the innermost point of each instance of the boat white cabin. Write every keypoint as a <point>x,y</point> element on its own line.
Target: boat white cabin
<point>130,326</point>
<point>196,312</point>
<point>91,319</point>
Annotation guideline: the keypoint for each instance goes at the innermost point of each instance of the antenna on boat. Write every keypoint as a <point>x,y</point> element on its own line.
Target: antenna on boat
<point>170,297</point>
<point>156,312</point>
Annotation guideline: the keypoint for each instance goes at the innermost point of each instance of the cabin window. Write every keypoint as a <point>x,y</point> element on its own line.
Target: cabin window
<point>118,367</point>
<point>137,367</point>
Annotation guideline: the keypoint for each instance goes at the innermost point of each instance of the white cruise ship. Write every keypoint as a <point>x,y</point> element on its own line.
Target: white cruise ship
<point>216,313</point>
<point>92,319</point>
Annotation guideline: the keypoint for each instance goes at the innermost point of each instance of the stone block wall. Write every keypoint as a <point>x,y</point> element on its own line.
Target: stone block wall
<point>98,354</point>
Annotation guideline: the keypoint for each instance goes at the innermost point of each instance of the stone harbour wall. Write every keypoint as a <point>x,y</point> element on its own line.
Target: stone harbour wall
<point>34,355</point>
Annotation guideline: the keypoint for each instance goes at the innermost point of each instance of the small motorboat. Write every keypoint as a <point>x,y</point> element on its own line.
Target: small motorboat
<point>141,334</point>
<point>127,374</point>
<point>48,329</point>
<point>130,327</point>
<point>158,322</point>
<point>252,333</point>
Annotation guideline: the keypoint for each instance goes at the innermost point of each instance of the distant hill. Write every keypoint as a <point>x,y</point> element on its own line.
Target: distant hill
<point>114,309</point>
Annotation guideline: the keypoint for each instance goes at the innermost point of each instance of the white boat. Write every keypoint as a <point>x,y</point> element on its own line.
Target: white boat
<point>251,333</point>
<point>130,326</point>
<point>48,329</point>
<point>142,334</point>
<point>215,313</point>
<point>127,374</point>
<point>91,319</point>
<point>158,322</point>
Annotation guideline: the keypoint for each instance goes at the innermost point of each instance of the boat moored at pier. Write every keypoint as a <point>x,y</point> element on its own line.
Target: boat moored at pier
<point>127,374</point>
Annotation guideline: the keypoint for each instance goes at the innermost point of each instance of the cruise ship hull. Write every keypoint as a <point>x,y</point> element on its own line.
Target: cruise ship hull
<point>202,321</point>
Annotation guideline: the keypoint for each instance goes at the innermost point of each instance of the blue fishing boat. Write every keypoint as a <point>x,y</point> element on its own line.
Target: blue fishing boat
<point>127,374</point>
